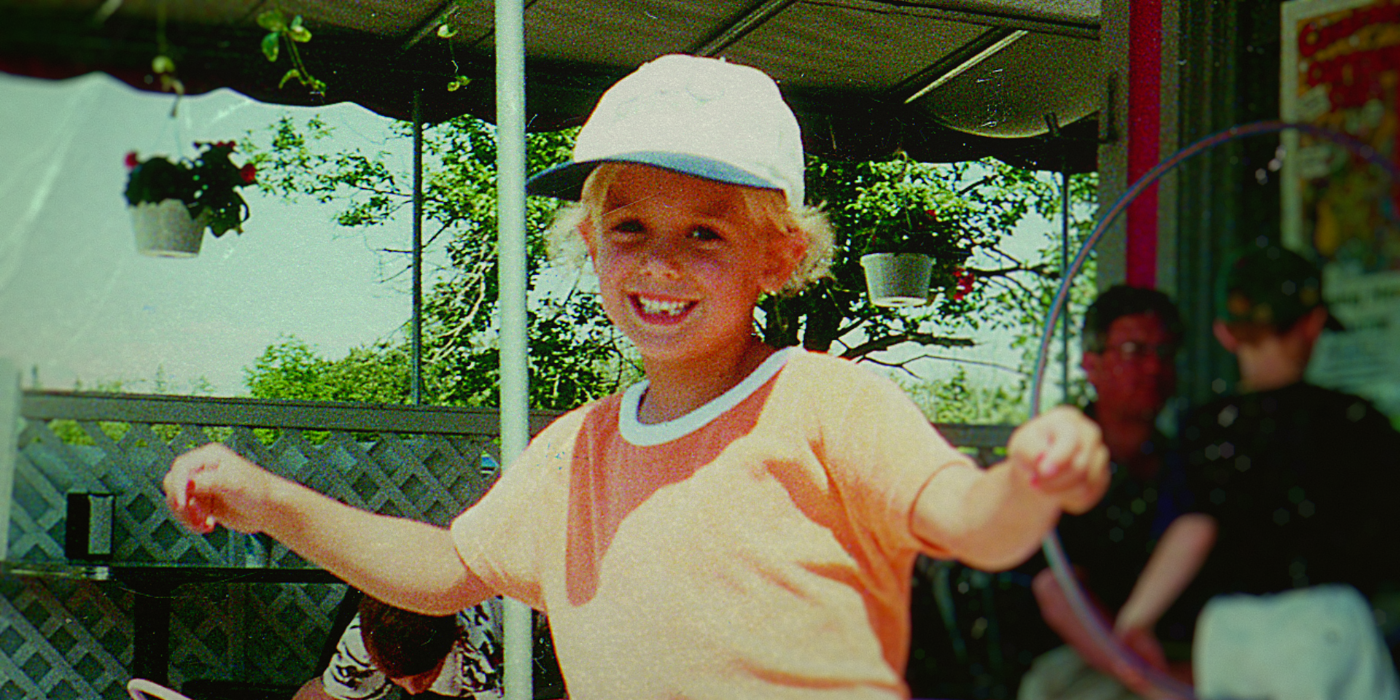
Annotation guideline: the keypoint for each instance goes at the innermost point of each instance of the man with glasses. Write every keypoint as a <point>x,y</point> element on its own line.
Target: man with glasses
<point>1130,339</point>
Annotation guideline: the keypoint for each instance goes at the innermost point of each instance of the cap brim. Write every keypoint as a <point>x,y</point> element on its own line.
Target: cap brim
<point>565,181</point>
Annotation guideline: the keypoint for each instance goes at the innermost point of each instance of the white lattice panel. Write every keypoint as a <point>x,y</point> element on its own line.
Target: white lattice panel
<point>64,640</point>
<point>70,639</point>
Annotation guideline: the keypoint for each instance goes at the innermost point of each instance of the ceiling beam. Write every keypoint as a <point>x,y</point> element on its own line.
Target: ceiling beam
<point>961,11</point>
<point>956,63</point>
<point>750,20</point>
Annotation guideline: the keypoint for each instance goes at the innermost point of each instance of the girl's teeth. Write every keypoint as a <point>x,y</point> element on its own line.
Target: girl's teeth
<point>656,306</point>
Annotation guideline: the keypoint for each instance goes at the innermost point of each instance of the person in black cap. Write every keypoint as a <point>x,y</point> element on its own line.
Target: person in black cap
<point>1289,485</point>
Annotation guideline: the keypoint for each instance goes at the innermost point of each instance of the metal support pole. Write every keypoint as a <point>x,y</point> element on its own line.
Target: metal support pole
<point>510,218</point>
<point>416,382</point>
<point>1052,122</point>
<point>1064,266</point>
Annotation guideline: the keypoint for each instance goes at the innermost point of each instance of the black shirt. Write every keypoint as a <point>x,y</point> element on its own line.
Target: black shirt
<point>1300,481</point>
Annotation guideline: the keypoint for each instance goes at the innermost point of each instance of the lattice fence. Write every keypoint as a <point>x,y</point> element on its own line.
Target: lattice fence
<point>62,638</point>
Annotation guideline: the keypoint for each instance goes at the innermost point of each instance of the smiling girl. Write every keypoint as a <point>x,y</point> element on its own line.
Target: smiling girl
<point>744,522</point>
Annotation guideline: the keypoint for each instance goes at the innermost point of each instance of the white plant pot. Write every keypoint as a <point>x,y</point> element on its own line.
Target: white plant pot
<point>167,229</point>
<point>897,279</point>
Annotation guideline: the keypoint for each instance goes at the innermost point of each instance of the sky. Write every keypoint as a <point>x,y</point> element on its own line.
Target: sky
<point>79,304</point>
<point>80,307</point>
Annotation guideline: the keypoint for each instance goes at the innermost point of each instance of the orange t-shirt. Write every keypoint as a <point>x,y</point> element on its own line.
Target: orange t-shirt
<point>759,546</point>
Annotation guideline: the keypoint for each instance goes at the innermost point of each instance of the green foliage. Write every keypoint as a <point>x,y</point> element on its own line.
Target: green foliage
<point>281,32</point>
<point>575,354</point>
<point>961,214</point>
<point>956,400</point>
<point>291,369</point>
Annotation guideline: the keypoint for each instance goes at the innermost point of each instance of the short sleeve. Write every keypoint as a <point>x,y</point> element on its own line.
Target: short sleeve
<point>350,675</point>
<point>501,538</point>
<point>881,450</point>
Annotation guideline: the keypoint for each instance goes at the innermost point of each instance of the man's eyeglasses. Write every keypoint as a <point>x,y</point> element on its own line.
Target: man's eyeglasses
<point>1133,350</point>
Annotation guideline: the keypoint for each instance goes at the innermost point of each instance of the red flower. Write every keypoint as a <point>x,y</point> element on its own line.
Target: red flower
<point>249,173</point>
<point>131,160</point>
<point>965,280</point>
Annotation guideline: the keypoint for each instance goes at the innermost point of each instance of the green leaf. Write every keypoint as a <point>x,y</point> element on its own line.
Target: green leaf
<point>292,74</point>
<point>298,33</point>
<point>458,83</point>
<point>270,46</point>
<point>446,31</point>
<point>272,20</point>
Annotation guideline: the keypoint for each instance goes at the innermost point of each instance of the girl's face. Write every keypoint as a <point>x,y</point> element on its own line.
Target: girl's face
<point>681,262</point>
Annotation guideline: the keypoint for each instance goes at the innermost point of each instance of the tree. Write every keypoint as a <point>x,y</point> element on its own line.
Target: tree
<point>291,369</point>
<point>574,354</point>
<point>961,212</point>
<point>966,210</point>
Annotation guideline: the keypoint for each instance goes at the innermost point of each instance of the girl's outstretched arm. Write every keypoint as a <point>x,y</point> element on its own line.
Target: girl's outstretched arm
<point>993,519</point>
<point>406,563</point>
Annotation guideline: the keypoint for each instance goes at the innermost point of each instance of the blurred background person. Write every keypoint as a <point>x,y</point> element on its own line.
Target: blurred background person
<point>1130,338</point>
<point>385,648</point>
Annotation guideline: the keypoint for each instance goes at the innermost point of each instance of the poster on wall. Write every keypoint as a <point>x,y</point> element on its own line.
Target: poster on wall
<point>1341,71</point>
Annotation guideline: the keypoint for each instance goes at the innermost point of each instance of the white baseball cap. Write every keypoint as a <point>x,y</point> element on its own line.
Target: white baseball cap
<point>697,116</point>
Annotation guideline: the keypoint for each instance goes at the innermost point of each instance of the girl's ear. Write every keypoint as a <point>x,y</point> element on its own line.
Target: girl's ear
<point>588,234</point>
<point>785,252</point>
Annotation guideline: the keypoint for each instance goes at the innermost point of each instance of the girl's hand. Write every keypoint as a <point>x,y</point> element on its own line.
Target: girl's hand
<point>212,485</point>
<point>1064,455</point>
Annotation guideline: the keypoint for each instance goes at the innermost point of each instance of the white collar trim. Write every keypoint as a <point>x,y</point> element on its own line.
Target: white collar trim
<point>646,435</point>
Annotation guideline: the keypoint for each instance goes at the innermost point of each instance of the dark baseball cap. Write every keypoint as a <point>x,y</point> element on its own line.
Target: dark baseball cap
<point>1270,286</point>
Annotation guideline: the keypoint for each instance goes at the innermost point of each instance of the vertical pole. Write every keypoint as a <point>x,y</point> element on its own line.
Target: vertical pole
<point>10,397</point>
<point>510,217</point>
<point>1064,267</point>
<point>416,382</point>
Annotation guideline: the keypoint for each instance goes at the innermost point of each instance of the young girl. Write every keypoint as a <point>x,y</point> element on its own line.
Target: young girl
<point>744,522</point>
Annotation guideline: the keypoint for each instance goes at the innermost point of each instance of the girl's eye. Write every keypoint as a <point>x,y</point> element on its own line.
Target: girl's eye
<point>705,233</point>
<point>628,226</point>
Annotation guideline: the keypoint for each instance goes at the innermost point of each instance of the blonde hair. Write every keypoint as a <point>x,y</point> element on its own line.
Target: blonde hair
<point>565,243</point>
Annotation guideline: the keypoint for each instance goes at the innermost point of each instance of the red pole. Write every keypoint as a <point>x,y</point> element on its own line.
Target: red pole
<point>1144,129</point>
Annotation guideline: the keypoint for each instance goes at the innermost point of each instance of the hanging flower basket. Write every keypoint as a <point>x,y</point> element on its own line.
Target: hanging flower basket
<point>897,279</point>
<point>172,202</point>
<point>166,229</point>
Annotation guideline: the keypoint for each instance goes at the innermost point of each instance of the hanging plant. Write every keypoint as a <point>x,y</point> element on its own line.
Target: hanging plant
<point>459,81</point>
<point>910,254</point>
<point>207,186</point>
<point>281,32</point>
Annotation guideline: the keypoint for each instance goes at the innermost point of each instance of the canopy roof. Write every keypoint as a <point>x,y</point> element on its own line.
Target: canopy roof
<point>942,80</point>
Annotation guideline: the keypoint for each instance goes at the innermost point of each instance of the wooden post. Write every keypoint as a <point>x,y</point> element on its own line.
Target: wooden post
<point>9,447</point>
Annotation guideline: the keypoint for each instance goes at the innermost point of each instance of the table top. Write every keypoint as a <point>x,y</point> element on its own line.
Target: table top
<point>164,573</point>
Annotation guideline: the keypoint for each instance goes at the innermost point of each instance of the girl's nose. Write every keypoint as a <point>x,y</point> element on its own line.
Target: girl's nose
<point>662,259</point>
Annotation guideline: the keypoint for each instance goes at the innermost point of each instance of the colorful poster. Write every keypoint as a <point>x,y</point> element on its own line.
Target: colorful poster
<point>1341,71</point>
